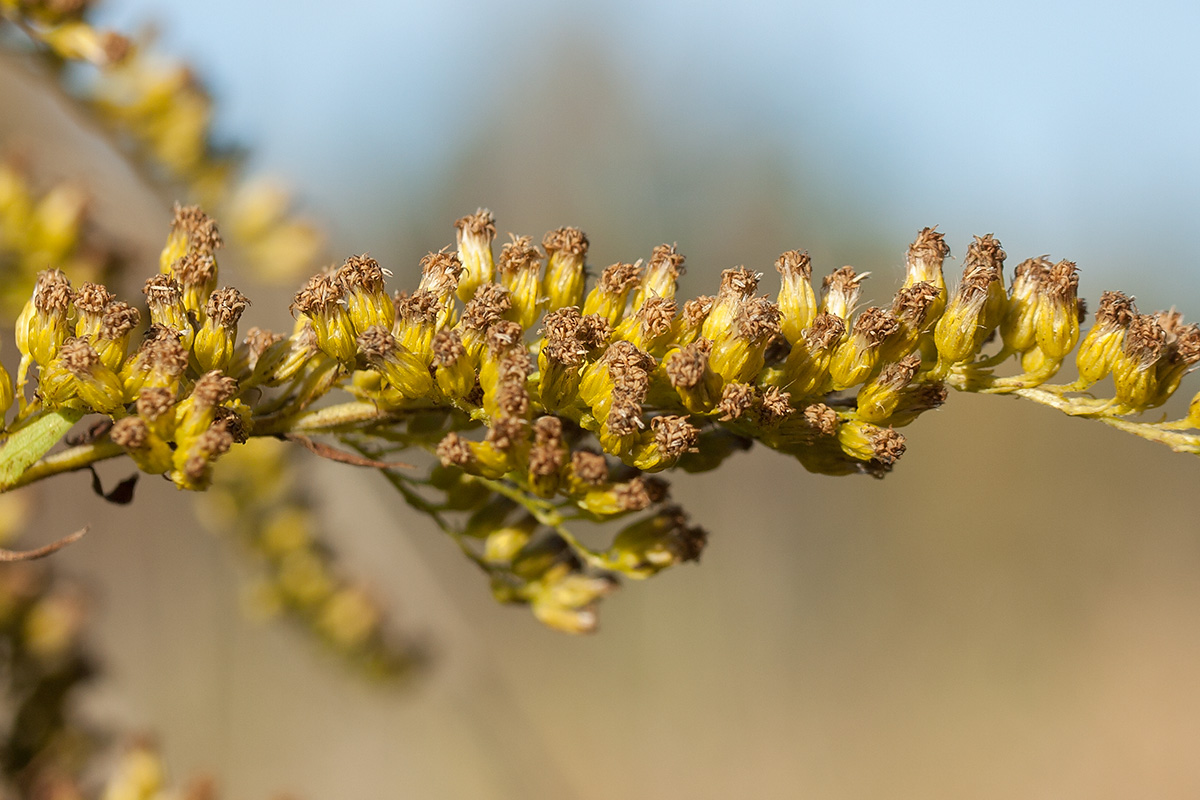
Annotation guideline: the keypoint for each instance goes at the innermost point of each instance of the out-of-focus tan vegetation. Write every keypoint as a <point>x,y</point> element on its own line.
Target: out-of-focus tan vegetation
<point>1012,612</point>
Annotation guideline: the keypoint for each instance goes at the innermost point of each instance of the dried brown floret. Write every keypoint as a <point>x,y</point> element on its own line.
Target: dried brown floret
<point>481,223</point>
<point>686,367</point>
<point>560,330</point>
<point>226,306</point>
<point>912,303</point>
<point>794,262</point>
<point>376,342</point>
<point>119,319</point>
<point>623,358</point>
<point>738,283</point>
<point>213,388</point>
<point>165,354</point>
<point>1115,309</point>
<point>162,290</point>
<point>321,293</point>
<point>887,445</point>
<point>419,308</point>
<point>489,303</point>
<point>78,357</point>
<point>454,450</point>
<point>360,272</point>
<point>52,292</point>
<point>130,433</point>
<point>548,429</point>
<point>594,331</point>
<point>447,348</point>
<point>153,403</point>
<point>776,405</point>
<point>545,459</point>
<point>92,298</point>
<point>512,399</point>
<point>233,424</point>
<point>900,373</point>
<point>201,229</point>
<point>632,496</point>
<point>695,311</point>
<point>667,259</point>
<point>843,281</point>
<point>1062,281</point>
<point>825,332</point>
<point>589,467</point>
<point>674,435</point>
<point>757,320</point>
<point>625,414</point>
<point>195,269</point>
<point>506,432</point>
<point>440,272</point>
<point>656,316</point>
<point>930,246</point>
<point>514,366</point>
<point>985,253</point>
<point>504,335</point>
<point>566,240</point>
<point>822,418</point>
<point>617,278</point>
<point>736,400</point>
<point>1144,340</point>
<point>519,254</point>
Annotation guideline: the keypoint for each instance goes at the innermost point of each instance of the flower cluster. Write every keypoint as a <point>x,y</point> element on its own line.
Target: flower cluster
<point>546,402</point>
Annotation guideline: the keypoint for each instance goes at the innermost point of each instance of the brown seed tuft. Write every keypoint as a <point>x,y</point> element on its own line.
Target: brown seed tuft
<point>826,331</point>
<point>130,433</point>
<point>519,254</point>
<point>226,306</point>
<point>92,298</point>
<point>674,435</point>
<point>666,258</point>
<point>566,240</point>
<point>447,348</point>
<point>481,224</point>
<point>360,272</point>
<point>1144,340</point>
<point>503,335</point>
<point>213,388</point>
<point>153,403</point>
<point>202,234</point>
<point>888,445</point>
<point>617,278</point>
<point>794,262</point>
<point>736,400</point>
<point>589,467</point>
<point>822,418</point>
<point>686,367</point>
<point>911,304</point>
<point>119,319</point>
<point>1116,309</point>
<point>695,311</point>
<point>454,451</point>
<point>52,292</point>
<point>78,357</point>
<point>490,302</point>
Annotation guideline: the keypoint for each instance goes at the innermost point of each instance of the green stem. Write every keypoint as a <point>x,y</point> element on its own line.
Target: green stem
<point>331,419</point>
<point>69,460</point>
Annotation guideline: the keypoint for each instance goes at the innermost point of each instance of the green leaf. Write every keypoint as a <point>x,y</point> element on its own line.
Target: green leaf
<point>32,442</point>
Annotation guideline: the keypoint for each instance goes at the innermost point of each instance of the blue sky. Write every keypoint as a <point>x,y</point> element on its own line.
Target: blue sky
<point>1064,127</point>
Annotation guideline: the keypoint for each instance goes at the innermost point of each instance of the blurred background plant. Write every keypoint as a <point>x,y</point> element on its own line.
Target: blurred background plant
<point>999,616</point>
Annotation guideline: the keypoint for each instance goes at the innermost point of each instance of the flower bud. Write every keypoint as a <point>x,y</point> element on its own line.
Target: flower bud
<point>403,371</point>
<point>878,399</point>
<point>77,377</point>
<point>321,301</point>
<point>924,265</point>
<point>840,291</point>
<point>475,234</point>
<point>164,299</point>
<point>699,387</point>
<point>856,357</point>
<point>662,275</point>
<point>520,273</point>
<point>368,303</point>
<point>738,285</point>
<point>217,337</point>
<point>651,545</point>
<point>797,300</point>
<point>566,249</point>
<point>806,370</point>
<point>866,442</point>
<point>1100,347</point>
<point>610,294</point>
<point>1056,316</point>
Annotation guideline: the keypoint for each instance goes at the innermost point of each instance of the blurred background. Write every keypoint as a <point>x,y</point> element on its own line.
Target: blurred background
<point>1015,611</point>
